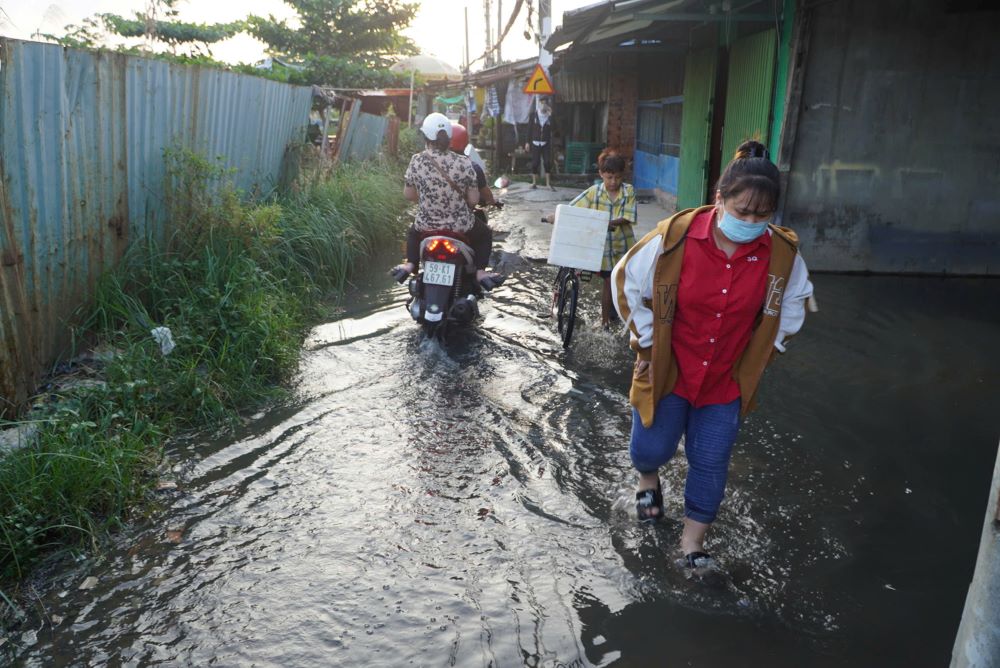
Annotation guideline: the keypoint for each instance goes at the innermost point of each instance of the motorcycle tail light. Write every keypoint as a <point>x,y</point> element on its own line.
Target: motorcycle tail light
<point>445,245</point>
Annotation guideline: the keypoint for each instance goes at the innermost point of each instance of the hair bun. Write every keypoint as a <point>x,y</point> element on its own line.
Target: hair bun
<point>751,149</point>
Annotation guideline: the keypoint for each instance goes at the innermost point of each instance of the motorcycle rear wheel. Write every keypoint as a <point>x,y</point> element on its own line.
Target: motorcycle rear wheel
<point>434,330</point>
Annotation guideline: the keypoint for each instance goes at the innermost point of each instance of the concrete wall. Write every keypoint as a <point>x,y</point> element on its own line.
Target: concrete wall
<point>896,159</point>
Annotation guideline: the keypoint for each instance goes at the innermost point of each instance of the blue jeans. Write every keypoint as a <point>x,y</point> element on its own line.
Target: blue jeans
<point>710,433</point>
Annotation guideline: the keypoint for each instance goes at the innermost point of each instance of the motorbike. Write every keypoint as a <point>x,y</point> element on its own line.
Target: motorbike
<point>444,292</point>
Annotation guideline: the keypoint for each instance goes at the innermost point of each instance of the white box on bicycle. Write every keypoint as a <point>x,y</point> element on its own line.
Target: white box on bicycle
<point>578,237</point>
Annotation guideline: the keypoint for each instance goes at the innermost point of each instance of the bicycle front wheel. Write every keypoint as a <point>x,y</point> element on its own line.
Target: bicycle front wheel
<point>569,292</point>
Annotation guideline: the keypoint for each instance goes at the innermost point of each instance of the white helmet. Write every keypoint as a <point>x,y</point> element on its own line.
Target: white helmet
<point>433,124</point>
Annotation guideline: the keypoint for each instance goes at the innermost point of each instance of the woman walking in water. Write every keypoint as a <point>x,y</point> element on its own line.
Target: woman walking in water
<point>710,296</point>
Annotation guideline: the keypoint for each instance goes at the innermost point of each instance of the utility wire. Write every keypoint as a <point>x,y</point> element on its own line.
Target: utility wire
<point>500,39</point>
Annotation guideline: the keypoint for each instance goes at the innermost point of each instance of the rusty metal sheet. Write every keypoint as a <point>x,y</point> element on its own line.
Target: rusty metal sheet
<point>82,136</point>
<point>365,136</point>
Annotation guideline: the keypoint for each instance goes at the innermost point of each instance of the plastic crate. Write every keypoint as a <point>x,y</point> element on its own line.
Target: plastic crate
<point>580,155</point>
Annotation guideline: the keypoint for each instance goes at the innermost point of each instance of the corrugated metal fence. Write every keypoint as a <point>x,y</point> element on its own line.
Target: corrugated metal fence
<point>82,136</point>
<point>363,135</point>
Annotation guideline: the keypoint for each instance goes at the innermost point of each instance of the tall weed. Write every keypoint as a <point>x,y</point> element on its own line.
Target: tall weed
<point>330,225</point>
<point>411,141</point>
<point>236,283</point>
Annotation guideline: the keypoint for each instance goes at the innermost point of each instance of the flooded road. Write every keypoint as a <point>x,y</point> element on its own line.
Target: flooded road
<point>470,505</point>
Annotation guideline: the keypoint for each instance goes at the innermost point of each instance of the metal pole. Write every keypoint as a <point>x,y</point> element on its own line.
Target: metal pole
<point>467,38</point>
<point>499,28</point>
<point>489,38</point>
<point>409,110</point>
<point>544,57</point>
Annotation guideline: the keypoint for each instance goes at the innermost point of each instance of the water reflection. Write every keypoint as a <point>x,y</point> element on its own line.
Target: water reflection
<point>470,505</point>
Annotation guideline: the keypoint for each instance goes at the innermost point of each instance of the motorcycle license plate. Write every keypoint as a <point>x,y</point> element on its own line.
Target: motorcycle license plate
<point>439,273</point>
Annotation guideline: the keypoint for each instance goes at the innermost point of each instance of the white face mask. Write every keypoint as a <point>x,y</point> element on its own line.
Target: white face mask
<point>740,231</point>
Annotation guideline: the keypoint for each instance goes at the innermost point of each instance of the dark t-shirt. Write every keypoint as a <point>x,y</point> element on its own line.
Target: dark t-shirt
<point>480,176</point>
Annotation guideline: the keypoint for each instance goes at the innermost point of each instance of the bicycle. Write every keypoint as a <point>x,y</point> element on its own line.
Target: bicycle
<point>580,245</point>
<point>565,298</point>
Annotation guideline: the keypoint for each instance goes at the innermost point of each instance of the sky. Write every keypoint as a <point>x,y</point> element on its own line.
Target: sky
<point>438,29</point>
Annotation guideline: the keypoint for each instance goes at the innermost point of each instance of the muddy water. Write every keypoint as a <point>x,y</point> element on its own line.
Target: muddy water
<point>468,505</point>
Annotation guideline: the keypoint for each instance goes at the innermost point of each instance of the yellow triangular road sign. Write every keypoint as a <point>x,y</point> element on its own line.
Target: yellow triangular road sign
<point>539,83</point>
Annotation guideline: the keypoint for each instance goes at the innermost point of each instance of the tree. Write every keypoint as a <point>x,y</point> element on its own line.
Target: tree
<point>348,43</point>
<point>158,23</point>
<point>343,42</point>
<point>172,33</point>
<point>86,35</point>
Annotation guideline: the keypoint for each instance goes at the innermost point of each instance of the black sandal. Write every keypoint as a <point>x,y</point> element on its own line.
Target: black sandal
<point>694,560</point>
<point>646,501</point>
<point>700,567</point>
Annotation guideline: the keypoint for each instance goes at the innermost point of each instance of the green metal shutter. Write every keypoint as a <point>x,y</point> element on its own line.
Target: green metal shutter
<point>781,80</point>
<point>750,91</point>
<point>696,127</point>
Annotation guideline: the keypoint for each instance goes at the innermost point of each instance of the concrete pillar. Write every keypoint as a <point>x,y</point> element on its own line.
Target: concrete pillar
<point>544,30</point>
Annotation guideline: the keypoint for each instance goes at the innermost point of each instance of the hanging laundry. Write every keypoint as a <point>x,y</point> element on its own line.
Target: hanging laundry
<point>491,107</point>
<point>518,105</point>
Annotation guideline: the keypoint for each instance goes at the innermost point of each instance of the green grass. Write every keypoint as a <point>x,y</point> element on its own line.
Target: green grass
<point>78,480</point>
<point>237,283</point>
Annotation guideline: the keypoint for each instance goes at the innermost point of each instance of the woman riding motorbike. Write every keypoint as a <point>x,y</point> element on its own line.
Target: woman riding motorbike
<point>446,188</point>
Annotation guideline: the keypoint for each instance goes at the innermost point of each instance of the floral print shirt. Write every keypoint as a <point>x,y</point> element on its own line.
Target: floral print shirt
<point>441,206</point>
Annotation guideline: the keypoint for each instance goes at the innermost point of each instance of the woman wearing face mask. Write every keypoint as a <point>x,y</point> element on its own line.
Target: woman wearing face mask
<point>710,295</point>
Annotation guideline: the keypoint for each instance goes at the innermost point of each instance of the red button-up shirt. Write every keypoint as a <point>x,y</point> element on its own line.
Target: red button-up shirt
<point>718,300</point>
